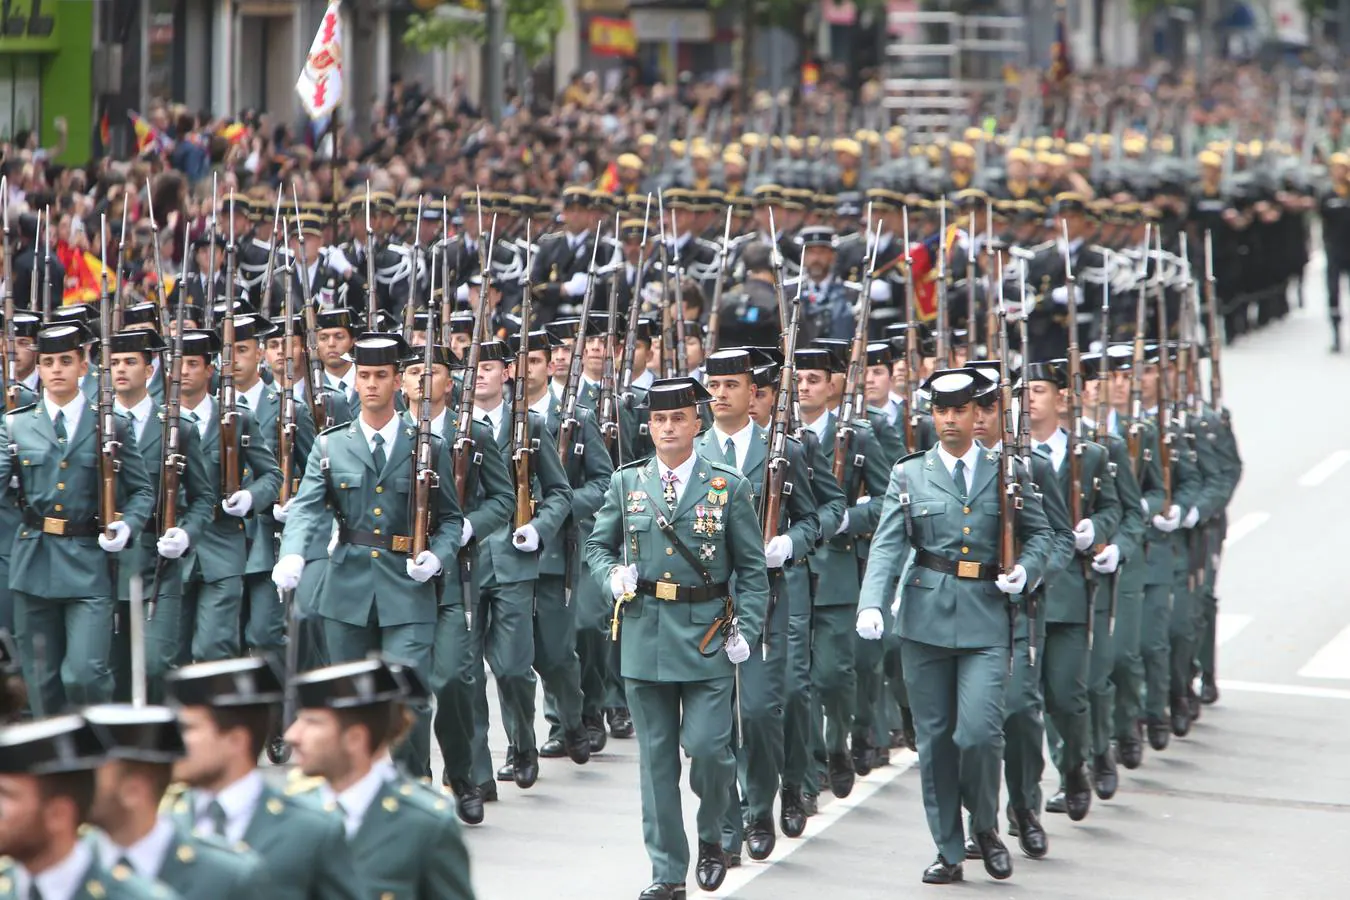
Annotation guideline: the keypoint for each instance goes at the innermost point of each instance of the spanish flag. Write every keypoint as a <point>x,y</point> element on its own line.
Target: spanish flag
<point>84,273</point>
<point>609,181</point>
<point>148,137</point>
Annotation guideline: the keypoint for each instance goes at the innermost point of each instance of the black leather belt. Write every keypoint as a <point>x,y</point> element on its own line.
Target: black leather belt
<point>961,568</point>
<point>678,593</point>
<point>398,543</point>
<point>61,527</point>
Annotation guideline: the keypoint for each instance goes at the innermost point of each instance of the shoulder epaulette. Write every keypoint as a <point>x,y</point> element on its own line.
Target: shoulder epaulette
<point>633,464</point>
<point>915,455</point>
<point>333,429</point>
<point>22,409</point>
<point>723,467</point>
<point>296,786</point>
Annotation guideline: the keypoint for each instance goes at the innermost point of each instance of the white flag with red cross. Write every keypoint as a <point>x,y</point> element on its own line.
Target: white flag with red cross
<point>320,82</point>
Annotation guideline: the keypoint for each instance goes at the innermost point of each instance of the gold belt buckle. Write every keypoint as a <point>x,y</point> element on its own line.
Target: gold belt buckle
<point>967,569</point>
<point>666,590</point>
<point>53,526</point>
<point>400,543</point>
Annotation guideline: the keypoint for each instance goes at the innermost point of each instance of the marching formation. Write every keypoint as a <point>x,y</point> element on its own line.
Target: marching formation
<point>775,457</point>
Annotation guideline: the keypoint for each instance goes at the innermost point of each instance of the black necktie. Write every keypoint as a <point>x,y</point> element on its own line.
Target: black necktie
<point>378,453</point>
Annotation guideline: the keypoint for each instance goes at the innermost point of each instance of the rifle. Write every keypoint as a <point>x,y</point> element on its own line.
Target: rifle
<point>447,296</point>
<point>10,369</point>
<point>323,417</point>
<point>410,310</point>
<point>1215,341</point>
<point>286,424</point>
<point>1009,485</point>
<point>47,268</point>
<point>634,308</point>
<point>568,446</point>
<point>520,407</point>
<point>159,267</point>
<point>277,222</point>
<point>371,302</point>
<point>108,463</point>
<point>35,281</point>
<point>117,284</point>
<point>1022,433</point>
<point>229,411</point>
<point>172,461</point>
<point>608,407</point>
<point>676,306</point>
<point>1135,436</point>
<point>210,311</point>
<point>425,477</point>
<point>970,288</point>
<point>912,360</point>
<point>715,316</point>
<point>944,336</point>
<point>1165,449</point>
<point>1075,445</point>
<point>1101,413</point>
<point>854,383</point>
<point>667,351</point>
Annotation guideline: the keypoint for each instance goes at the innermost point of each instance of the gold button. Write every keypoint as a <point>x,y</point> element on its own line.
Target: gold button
<point>924,511</point>
<point>58,507</point>
<point>670,551</point>
<point>966,530</point>
<point>60,485</point>
<point>965,549</point>
<point>667,575</point>
<point>377,531</point>
<point>342,484</point>
<point>65,464</point>
<point>374,554</point>
<point>377,511</point>
<point>379,489</point>
<point>966,510</point>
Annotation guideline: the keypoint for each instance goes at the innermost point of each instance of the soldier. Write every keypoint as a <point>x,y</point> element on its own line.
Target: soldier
<point>671,612</point>
<point>828,302</point>
<point>136,838</point>
<point>562,261</point>
<point>26,327</point>
<point>62,588</point>
<point>337,331</point>
<point>369,489</point>
<point>744,445</point>
<point>952,622</point>
<point>213,570</point>
<point>227,711</point>
<point>400,834</point>
<point>47,779</point>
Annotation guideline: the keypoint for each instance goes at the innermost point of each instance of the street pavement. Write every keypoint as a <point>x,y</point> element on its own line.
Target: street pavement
<point>1254,803</point>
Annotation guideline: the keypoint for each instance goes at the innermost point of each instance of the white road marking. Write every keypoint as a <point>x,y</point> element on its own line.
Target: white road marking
<point>901,762</point>
<point>1325,469</point>
<point>1227,626</point>
<point>1285,690</point>
<point>1332,661</point>
<point>1245,526</point>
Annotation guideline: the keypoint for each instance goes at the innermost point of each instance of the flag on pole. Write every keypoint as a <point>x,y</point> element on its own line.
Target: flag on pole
<point>320,82</point>
<point>148,137</point>
<point>1061,64</point>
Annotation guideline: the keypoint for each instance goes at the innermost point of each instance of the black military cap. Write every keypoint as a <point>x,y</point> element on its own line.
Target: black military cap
<point>239,307</point>
<point>850,204</point>
<point>693,329</point>
<point>200,342</point>
<point>817,236</point>
<point>728,362</point>
<point>421,320</point>
<point>140,314</point>
<point>563,329</point>
<point>679,198</point>
<point>250,328</point>
<point>340,317</point>
<point>535,340</point>
<point>191,312</point>
<point>953,387</point>
<point>577,197</point>
<point>51,747</point>
<point>839,350</point>
<point>249,681</point>
<point>142,340</point>
<point>809,358</point>
<point>63,338</point>
<point>440,356</point>
<point>26,324</point>
<point>83,313</point>
<point>646,328</point>
<point>461,323</point>
<point>351,685</point>
<point>385,320</point>
<point>375,348</point>
<point>1070,202</point>
<point>239,203</point>
<point>1120,357</point>
<point>879,354</point>
<point>631,230</point>
<point>205,239</point>
<point>970,198</point>
<point>494,351</point>
<point>279,325</point>
<point>676,393</point>
<point>1045,371</point>
<point>148,734</point>
<point>765,376</point>
<point>768,194</point>
<point>309,225</point>
<point>431,209</point>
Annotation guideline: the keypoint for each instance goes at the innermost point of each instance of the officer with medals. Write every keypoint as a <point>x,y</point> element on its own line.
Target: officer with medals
<point>402,838</point>
<point>673,532</point>
<point>227,710</point>
<point>47,782</point>
<point>954,617</point>
<point>135,837</point>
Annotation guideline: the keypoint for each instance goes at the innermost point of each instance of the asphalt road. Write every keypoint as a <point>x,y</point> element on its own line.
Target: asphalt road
<point>1254,803</point>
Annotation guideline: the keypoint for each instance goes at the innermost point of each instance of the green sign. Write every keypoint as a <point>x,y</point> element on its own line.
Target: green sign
<point>28,25</point>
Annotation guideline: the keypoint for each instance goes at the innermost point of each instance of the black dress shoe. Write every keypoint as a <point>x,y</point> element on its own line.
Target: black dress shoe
<point>595,730</point>
<point>1077,793</point>
<point>1130,748</point>
<point>1056,803</point>
<point>578,745</point>
<point>620,722</point>
<point>733,859</point>
<point>1193,703</point>
<point>972,848</point>
<point>841,775</point>
<point>760,838</point>
<point>791,815</point>
<point>943,872</point>
<point>507,772</point>
<point>862,757</point>
<point>489,791</point>
<point>1030,834</point>
<point>881,757</point>
<point>1105,777</point>
<point>810,805</point>
<point>526,766</point>
<point>468,802</point>
<point>1209,690</point>
<point>897,738</point>
<point>907,721</point>
<point>711,869</point>
<point>1158,734</point>
<point>552,749</point>
<point>997,859</point>
<point>1181,717</point>
<point>662,891</point>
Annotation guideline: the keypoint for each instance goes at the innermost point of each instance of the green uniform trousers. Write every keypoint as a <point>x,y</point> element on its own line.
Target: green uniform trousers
<point>800,706</point>
<point>593,647</point>
<point>1101,662</point>
<point>1206,652</point>
<point>555,654</point>
<point>64,645</point>
<point>833,673</point>
<point>1127,674</point>
<point>313,650</point>
<point>1024,730</point>
<point>1182,631</point>
<point>1156,648</point>
<point>409,644</point>
<point>696,717</point>
<point>869,721</point>
<point>1063,662</point>
<point>957,699</point>
<point>265,620</point>
<point>161,646</point>
<point>503,637</point>
<point>6,597</point>
<point>453,679</point>
<point>210,619</point>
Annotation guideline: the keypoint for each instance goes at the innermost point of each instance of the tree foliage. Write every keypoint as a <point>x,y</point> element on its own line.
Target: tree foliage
<point>531,24</point>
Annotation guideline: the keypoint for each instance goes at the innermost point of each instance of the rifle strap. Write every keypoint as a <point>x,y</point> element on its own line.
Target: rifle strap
<point>902,482</point>
<point>722,624</point>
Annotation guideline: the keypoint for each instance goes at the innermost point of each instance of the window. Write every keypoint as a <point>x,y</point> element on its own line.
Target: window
<point>20,93</point>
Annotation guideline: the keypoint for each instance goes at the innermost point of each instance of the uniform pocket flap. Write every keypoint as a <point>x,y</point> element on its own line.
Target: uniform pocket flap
<point>346,480</point>
<point>926,508</point>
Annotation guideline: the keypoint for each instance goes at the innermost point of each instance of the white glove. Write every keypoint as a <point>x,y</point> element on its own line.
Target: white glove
<point>1191,518</point>
<point>1083,534</point>
<point>333,540</point>
<point>1013,582</point>
<point>1060,294</point>
<point>1107,561</point>
<point>778,551</point>
<point>870,625</point>
<point>843,524</point>
<point>173,543</point>
<point>286,573</point>
<point>576,285</point>
<point>738,651</point>
<point>623,580</point>
<point>466,533</point>
<point>525,538</point>
<point>237,504</point>
<point>879,290</point>
<point>281,512</point>
<point>424,567</point>
<point>1171,522</point>
<point>121,533</point>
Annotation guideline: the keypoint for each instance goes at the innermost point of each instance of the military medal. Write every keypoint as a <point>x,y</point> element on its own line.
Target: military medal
<point>637,501</point>
<point>706,552</point>
<point>717,492</point>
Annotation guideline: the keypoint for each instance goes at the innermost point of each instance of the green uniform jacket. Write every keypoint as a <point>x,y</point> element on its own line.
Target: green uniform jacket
<point>502,561</point>
<point>1218,460</point>
<point>98,883</point>
<point>223,549</point>
<point>588,474</point>
<point>1129,536</point>
<point>1067,592</point>
<point>205,868</point>
<point>1166,551</point>
<point>660,639</point>
<point>938,609</point>
<point>363,499</point>
<point>1046,486</point>
<point>262,528</point>
<point>9,506</point>
<point>67,486</point>
<point>633,437</point>
<point>890,439</point>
